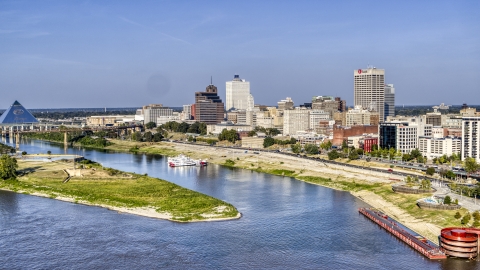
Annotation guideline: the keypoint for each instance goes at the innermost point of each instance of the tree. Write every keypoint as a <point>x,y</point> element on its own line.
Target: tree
<point>470,165</point>
<point>311,149</point>
<point>476,215</point>
<point>447,200</point>
<point>466,218</point>
<point>157,137</point>
<point>137,136</point>
<point>344,146</point>
<point>415,154</point>
<point>8,167</point>
<point>353,155</point>
<point>148,136</point>
<point>49,152</point>
<point>430,171</point>
<point>426,184</point>
<point>296,148</point>
<point>252,133</point>
<point>228,135</point>
<point>374,147</point>
<point>272,132</point>
<point>332,155</point>
<point>268,141</point>
<point>457,215</point>
<point>24,153</point>
<point>151,125</point>
<point>450,175</point>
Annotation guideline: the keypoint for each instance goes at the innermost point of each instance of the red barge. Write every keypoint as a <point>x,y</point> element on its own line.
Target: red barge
<point>419,243</point>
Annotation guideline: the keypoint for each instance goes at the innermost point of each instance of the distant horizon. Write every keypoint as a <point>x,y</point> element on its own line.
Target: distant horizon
<point>139,107</point>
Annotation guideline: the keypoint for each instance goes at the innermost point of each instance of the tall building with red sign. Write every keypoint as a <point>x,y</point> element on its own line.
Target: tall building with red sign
<point>369,90</point>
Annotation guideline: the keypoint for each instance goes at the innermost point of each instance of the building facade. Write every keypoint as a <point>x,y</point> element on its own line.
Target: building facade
<point>153,111</point>
<point>295,120</point>
<point>436,147</point>
<point>208,107</point>
<point>389,101</point>
<point>238,94</point>
<point>471,138</point>
<point>369,90</point>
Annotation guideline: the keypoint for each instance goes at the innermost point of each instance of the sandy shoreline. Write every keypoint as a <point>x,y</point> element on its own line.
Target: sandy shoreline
<point>144,212</point>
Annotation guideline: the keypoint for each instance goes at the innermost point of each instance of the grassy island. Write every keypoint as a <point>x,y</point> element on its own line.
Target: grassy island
<point>117,190</point>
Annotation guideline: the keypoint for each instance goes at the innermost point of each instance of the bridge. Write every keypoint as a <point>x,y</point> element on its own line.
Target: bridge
<point>17,130</point>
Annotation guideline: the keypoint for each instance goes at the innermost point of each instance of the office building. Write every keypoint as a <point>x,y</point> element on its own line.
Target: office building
<point>369,90</point>
<point>285,104</point>
<point>328,104</point>
<point>432,147</point>
<point>471,138</point>
<point>389,101</point>
<point>403,136</point>
<point>208,107</point>
<point>295,120</point>
<point>238,94</point>
<point>152,111</point>
<point>360,116</point>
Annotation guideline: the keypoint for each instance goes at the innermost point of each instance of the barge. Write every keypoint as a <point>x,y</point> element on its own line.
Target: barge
<point>417,242</point>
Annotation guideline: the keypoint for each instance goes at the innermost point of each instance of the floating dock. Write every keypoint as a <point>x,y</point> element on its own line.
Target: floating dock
<point>418,242</point>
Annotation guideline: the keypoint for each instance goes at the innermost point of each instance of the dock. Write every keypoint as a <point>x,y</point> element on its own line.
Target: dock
<point>417,242</point>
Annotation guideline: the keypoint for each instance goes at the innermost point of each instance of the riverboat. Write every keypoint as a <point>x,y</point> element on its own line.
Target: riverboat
<point>182,160</point>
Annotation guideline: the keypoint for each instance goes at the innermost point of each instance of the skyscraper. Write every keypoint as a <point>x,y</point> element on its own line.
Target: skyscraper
<point>369,90</point>
<point>238,94</point>
<point>208,106</point>
<point>389,100</point>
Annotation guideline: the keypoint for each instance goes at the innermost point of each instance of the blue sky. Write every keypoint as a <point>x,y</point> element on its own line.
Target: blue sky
<point>58,54</point>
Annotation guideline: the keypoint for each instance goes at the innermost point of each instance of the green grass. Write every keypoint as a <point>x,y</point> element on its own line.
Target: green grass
<point>338,184</point>
<point>139,191</point>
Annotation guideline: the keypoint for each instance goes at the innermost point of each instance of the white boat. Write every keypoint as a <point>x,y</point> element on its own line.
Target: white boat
<point>182,160</point>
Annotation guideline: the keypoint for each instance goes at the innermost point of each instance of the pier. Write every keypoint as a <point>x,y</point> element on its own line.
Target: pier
<point>417,242</point>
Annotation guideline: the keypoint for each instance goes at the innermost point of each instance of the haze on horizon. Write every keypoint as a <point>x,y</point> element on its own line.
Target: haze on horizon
<point>60,54</point>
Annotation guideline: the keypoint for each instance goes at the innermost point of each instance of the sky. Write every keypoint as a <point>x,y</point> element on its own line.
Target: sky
<point>85,54</point>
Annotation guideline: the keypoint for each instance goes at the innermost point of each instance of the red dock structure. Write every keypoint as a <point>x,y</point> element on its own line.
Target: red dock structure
<point>419,243</point>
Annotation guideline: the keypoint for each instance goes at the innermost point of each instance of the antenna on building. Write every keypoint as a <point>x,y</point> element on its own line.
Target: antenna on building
<point>211,80</point>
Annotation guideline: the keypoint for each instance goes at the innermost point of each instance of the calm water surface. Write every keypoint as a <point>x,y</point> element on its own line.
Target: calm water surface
<point>286,224</point>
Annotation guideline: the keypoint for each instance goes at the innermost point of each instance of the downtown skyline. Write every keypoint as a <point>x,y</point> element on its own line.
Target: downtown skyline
<point>123,54</point>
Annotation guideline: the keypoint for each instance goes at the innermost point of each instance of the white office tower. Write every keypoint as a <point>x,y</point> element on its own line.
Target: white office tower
<point>389,100</point>
<point>471,138</point>
<point>250,103</point>
<point>238,94</point>
<point>295,120</point>
<point>369,90</point>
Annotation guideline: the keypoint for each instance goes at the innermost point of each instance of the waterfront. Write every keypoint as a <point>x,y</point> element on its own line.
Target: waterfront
<point>286,224</point>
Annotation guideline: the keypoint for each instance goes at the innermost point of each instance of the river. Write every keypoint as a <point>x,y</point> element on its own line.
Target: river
<point>286,224</point>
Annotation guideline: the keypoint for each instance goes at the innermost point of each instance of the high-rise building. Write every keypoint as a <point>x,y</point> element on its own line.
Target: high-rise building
<point>208,106</point>
<point>471,138</point>
<point>238,94</point>
<point>369,90</point>
<point>389,101</point>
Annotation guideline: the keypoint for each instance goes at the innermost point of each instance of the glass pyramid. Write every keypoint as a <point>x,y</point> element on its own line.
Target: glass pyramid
<point>17,114</point>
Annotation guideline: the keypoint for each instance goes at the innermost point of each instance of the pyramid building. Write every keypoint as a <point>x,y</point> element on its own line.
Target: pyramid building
<point>17,114</point>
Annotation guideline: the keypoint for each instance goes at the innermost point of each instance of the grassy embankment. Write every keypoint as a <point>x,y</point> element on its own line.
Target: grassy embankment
<point>110,187</point>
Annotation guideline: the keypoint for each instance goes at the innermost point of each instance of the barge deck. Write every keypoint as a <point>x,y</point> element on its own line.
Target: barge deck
<point>417,242</point>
